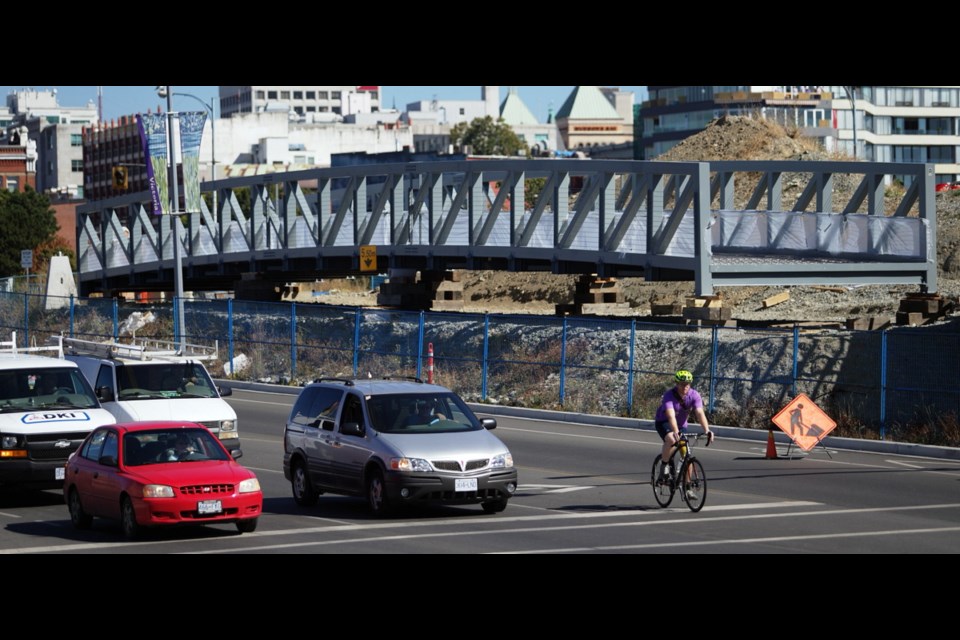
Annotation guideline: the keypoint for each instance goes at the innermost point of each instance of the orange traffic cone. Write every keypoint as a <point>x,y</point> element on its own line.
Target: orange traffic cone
<point>771,446</point>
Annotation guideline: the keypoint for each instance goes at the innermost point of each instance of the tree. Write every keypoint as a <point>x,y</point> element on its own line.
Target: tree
<point>27,222</point>
<point>487,138</point>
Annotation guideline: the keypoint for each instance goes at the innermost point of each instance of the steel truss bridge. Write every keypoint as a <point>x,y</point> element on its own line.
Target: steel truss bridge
<point>659,220</point>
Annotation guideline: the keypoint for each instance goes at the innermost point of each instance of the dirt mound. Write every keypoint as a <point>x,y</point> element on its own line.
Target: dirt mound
<point>743,138</point>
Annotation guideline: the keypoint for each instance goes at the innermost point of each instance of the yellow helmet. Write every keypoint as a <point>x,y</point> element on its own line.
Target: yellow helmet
<point>683,376</point>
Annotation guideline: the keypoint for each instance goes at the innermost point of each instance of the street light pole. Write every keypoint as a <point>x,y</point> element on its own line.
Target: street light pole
<point>175,221</point>
<point>213,141</point>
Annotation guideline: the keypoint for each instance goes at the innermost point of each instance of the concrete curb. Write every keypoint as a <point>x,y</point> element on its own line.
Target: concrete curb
<point>781,439</point>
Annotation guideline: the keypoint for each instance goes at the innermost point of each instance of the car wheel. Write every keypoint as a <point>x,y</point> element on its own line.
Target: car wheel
<point>303,492</point>
<point>495,506</point>
<point>247,526</point>
<point>80,518</point>
<point>128,519</point>
<point>377,494</point>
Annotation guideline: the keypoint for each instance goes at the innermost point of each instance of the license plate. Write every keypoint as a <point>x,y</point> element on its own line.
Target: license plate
<point>59,473</point>
<point>465,484</point>
<point>206,507</point>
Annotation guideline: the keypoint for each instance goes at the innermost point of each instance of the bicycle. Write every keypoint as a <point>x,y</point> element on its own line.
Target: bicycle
<point>663,477</point>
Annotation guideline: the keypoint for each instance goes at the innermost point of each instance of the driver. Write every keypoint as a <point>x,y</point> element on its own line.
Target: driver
<point>182,448</point>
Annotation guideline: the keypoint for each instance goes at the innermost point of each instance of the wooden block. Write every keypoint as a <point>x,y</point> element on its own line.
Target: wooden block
<point>927,306</point>
<point>666,309</point>
<point>911,317</point>
<point>776,299</point>
<point>707,313</point>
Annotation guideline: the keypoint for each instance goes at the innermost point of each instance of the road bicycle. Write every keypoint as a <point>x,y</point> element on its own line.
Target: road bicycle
<point>692,480</point>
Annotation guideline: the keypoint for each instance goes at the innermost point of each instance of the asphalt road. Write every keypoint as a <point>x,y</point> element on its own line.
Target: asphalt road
<point>583,489</point>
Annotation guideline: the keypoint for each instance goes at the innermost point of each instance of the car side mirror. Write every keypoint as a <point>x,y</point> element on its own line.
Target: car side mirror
<point>225,391</point>
<point>489,423</point>
<point>105,394</point>
<point>108,461</point>
<point>236,453</point>
<point>351,429</point>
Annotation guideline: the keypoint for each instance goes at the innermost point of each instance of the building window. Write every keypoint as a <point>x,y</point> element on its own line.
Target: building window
<point>311,95</point>
<point>53,119</point>
<point>375,95</point>
<point>335,95</point>
<point>463,111</point>
<point>284,95</point>
<point>76,140</point>
<point>323,95</point>
<point>261,95</point>
<point>76,165</point>
<point>323,109</point>
<point>311,109</point>
<point>298,110</point>
<point>11,184</point>
<point>49,168</point>
<point>298,95</point>
<point>271,95</point>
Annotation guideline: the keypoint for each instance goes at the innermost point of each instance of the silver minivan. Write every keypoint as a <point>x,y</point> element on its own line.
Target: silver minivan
<point>396,442</point>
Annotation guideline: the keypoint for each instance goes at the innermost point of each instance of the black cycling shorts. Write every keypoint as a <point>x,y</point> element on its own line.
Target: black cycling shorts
<point>663,428</point>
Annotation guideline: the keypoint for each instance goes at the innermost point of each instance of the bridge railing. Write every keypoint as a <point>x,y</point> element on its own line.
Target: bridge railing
<point>604,216</point>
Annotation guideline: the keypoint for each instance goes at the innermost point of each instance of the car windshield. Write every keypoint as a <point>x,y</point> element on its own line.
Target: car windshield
<point>410,413</point>
<point>55,388</point>
<point>169,446</point>
<point>164,380</point>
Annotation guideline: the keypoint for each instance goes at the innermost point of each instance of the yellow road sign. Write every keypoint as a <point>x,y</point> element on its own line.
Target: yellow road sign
<point>804,422</point>
<point>368,257</point>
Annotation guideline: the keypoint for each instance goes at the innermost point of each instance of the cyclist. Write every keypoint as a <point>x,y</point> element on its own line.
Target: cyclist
<point>675,407</point>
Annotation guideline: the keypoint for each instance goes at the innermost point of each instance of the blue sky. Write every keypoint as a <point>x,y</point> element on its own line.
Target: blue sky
<point>118,101</point>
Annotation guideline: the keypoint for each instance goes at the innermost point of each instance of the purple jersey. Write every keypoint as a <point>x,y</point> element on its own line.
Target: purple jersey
<point>682,406</point>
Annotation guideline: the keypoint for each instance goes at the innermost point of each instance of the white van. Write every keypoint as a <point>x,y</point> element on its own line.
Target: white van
<point>150,380</point>
<point>47,408</point>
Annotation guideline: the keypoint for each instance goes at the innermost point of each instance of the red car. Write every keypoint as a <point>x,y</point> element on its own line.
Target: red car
<point>947,186</point>
<point>148,474</point>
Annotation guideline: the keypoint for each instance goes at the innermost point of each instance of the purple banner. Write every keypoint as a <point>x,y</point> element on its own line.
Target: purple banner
<point>153,136</point>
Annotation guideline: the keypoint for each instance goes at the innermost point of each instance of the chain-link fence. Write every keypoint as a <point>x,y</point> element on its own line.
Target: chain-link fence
<point>877,384</point>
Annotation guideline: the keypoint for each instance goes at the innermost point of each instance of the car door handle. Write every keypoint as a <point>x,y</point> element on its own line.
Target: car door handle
<point>96,474</point>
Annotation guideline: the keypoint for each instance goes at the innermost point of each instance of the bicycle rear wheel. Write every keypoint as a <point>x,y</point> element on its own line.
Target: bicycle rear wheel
<point>694,490</point>
<point>662,488</point>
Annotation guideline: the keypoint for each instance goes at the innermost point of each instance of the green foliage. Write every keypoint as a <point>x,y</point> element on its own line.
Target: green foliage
<point>487,138</point>
<point>531,191</point>
<point>27,222</point>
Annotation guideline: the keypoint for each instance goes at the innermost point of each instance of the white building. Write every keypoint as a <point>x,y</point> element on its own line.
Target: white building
<point>282,144</point>
<point>57,132</point>
<point>299,99</point>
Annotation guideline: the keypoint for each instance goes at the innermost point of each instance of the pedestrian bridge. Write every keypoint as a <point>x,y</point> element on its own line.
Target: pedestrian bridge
<point>787,223</point>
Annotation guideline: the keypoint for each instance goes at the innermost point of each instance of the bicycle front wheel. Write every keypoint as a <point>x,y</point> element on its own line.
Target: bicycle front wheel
<point>694,484</point>
<point>663,487</point>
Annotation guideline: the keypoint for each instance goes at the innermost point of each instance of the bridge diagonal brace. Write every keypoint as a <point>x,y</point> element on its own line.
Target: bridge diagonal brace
<point>546,196</point>
<point>466,188</point>
<point>506,187</point>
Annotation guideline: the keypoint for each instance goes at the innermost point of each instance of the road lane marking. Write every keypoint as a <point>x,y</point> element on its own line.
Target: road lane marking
<point>706,543</point>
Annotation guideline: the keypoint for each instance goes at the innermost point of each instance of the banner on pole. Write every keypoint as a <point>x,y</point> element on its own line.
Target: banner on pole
<point>153,137</point>
<point>191,131</point>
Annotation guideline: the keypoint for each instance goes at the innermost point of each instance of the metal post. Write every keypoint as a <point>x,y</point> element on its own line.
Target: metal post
<point>180,324</point>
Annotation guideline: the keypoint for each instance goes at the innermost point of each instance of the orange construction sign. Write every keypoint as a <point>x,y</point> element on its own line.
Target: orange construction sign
<point>804,422</point>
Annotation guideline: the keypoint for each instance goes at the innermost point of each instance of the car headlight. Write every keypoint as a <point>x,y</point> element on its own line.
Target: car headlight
<point>228,425</point>
<point>502,461</point>
<point>9,442</point>
<point>410,464</point>
<point>249,485</point>
<point>157,491</point>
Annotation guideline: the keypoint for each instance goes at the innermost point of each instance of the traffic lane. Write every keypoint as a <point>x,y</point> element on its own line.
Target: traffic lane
<point>546,519</point>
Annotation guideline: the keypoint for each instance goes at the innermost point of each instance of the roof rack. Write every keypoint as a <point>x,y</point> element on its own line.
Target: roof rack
<point>11,346</point>
<point>140,349</point>
<point>345,381</point>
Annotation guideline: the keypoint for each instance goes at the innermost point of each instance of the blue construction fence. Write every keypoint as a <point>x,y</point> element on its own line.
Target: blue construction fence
<point>880,381</point>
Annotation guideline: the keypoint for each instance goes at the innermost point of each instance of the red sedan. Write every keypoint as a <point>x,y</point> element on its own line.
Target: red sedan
<point>146,474</point>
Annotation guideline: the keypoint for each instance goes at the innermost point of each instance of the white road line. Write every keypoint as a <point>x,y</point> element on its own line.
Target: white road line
<point>708,543</point>
<point>649,520</point>
<point>265,470</point>
<point>9,515</point>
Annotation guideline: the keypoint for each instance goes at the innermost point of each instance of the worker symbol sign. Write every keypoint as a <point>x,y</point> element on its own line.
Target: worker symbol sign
<point>804,422</point>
